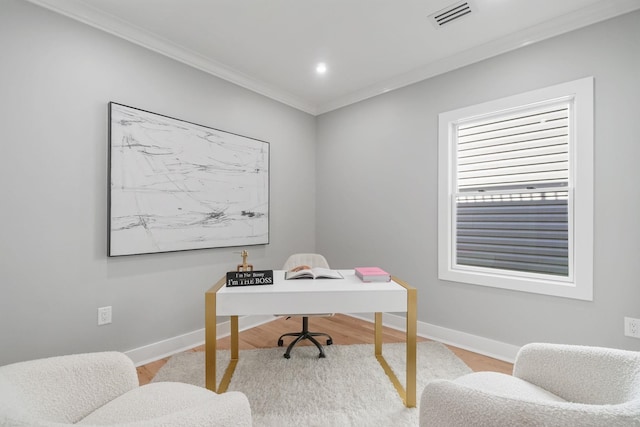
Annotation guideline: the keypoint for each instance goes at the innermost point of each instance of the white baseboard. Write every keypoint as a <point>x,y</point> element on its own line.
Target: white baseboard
<point>165,348</point>
<point>485,346</point>
<point>477,344</point>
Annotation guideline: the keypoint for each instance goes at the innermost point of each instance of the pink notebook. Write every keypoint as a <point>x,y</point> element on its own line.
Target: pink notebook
<point>372,274</point>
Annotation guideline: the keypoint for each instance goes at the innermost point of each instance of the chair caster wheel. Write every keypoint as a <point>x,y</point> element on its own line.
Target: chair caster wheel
<point>287,356</point>
<point>322,356</point>
<point>329,341</point>
<point>280,343</point>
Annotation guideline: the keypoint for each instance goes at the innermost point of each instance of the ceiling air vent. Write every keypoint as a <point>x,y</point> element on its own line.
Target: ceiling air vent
<point>450,13</point>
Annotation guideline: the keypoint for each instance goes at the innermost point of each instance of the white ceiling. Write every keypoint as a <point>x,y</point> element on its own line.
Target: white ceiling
<point>369,46</point>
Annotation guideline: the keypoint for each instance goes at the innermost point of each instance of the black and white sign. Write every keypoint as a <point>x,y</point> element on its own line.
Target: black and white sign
<point>250,278</point>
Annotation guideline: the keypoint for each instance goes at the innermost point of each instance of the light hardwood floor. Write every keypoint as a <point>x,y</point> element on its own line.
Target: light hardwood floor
<point>342,328</point>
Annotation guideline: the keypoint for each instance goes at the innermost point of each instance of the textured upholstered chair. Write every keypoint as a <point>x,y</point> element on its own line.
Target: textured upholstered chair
<point>552,385</point>
<point>103,389</point>
<point>311,260</point>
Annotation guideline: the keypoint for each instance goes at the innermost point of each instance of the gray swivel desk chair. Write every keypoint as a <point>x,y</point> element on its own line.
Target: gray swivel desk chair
<point>311,260</point>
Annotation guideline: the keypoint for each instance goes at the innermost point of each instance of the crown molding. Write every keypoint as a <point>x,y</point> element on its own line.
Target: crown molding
<point>597,12</point>
<point>82,12</point>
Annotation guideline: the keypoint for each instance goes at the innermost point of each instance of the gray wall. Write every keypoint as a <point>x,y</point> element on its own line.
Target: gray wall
<point>56,79</point>
<point>377,188</point>
<point>376,196</point>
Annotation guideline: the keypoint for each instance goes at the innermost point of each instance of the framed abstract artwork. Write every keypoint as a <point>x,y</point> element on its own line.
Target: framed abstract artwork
<point>176,185</point>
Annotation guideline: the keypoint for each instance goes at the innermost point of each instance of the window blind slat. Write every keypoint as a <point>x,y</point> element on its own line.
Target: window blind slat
<point>513,135</point>
<point>508,243</point>
<point>504,168</point>
<point>510,143</point>
<point>486,162</point>
<point>512,233</point>
<point>517,119</point>
<point>519,151</point>
<point>542,226</point>
<point>536,257</point>
<point>499,207</point>
<point>522,181</point>
<point>559,270</point>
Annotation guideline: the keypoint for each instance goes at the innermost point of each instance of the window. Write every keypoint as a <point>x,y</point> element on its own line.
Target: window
<point>516,192</point>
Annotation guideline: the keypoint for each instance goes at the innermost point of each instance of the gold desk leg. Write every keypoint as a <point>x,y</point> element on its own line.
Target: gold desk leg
<point>385,366</point>
<point>412,331</point>
<point>226,379</point>
<point>408,395</point>
<point>210,334</point>
<point>378,334</point>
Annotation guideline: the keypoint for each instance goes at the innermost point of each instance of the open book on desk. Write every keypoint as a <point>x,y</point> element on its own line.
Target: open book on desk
<point>313,273</point>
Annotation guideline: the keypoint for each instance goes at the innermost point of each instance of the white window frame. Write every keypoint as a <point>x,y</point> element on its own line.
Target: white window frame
<point>579,285</point>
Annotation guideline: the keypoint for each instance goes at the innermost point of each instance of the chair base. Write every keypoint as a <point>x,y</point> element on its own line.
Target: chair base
<point>305,334</point>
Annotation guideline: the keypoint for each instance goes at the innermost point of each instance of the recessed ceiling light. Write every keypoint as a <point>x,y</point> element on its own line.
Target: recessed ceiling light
<point>321,68</point>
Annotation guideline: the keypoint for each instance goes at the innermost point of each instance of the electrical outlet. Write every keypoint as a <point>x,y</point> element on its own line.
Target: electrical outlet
<point>632,327</point>
<point>104,315</point>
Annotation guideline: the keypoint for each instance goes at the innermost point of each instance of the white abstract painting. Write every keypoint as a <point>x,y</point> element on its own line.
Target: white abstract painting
<point>176,185</point>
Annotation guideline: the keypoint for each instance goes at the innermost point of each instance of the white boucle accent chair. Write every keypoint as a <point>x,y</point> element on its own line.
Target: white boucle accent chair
<point>103,389</point>
<point>552,385</point>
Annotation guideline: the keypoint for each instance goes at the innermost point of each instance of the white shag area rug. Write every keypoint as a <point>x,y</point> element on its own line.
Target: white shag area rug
<point>347,388</point>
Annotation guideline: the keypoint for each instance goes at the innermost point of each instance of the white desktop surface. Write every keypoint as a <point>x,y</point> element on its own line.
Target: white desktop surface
<point>312,296</point>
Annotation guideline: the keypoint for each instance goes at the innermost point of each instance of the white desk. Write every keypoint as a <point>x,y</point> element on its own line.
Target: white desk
<point>348,295</point>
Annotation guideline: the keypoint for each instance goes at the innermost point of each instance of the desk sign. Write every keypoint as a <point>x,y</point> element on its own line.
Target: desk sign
<point>250,278</point>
